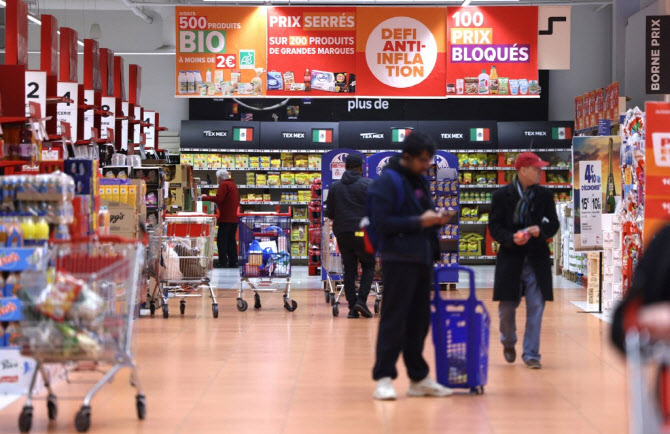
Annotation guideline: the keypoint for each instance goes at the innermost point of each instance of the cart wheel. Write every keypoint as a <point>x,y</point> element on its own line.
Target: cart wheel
<point>290,307</point>
<point>257,301</point>
<point>52,407</point>
<point>336,310</point>
<point>242,305</point>
<point>82,420</point>
<point>377,306</point>
<point>327,297</point>
<point>141,404</point>
<point>166,311</point>
<point>479,390</point>
<point>152,308</point>
<point>182,307</point>
<point>332,299</point>
<point>215,310</point>
<point>26,419</point>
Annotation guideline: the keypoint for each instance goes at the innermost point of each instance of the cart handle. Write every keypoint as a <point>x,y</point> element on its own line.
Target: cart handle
<point>278,213</point>
<point>95,238</point>
<point>458,268</point>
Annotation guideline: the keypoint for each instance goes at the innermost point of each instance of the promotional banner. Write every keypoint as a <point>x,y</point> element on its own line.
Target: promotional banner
<point>400,51</point>
<point>658,55</point>
<point>377,162</point>
<point>553,41</point>
<point>311,51</point>
<point>657,144</point>
<point>492,51</point>
<point>220,51</point>
<point>597,161</point>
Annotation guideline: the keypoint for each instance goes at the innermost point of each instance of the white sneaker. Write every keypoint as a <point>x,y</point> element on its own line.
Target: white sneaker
<point>384,390</point>
<point>428,387</point>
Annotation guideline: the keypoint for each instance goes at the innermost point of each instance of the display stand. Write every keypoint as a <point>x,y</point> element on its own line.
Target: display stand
<point>444,185</point>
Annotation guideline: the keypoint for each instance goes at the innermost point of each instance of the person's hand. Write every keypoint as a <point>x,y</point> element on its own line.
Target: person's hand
<point>521,238</point>
<point>431,218</point>
<point>655,319</point>
<point>202,197</point>
<point>534,231</point>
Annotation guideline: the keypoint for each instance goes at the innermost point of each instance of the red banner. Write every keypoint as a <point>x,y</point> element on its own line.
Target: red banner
<point>492,51</point>
<point>311,51</point>
<point>657,200</point>
<point>400,51</point>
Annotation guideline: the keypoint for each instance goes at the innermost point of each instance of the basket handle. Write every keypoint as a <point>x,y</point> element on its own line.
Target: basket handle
<point>458,268</point>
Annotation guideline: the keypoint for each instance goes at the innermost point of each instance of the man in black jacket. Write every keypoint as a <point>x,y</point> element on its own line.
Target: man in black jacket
<point>345,206</point>
<point>404,217</point>
<point>523,217</point>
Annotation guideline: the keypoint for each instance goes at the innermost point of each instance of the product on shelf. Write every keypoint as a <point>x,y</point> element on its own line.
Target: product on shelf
<point>186,159</point>
<point>200,161</point>
<point>241,161</point>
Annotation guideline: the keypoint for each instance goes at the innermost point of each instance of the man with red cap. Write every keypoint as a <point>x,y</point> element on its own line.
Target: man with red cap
<point>523,217</point>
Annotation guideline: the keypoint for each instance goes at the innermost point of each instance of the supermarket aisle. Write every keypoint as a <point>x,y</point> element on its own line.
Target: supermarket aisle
<point>271,371</point>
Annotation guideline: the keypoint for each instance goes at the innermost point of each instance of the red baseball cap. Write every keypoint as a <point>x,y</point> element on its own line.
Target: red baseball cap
<point>529,159</point>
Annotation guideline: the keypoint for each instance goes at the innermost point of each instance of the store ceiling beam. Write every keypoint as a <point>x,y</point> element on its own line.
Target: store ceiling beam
<point>602,3</point>
<point>137,10</point>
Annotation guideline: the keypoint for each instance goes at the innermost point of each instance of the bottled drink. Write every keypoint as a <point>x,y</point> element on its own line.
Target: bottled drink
<point>308,80</point>
<point>483,86</point>
<point>208,76</point>
<point>41,232</point>
<point>182,83</point>
<point>494,81</point>
<point>610,194</point>
<point>190,78</point>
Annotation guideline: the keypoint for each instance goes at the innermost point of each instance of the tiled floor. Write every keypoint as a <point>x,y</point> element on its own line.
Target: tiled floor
<point>273,371</point>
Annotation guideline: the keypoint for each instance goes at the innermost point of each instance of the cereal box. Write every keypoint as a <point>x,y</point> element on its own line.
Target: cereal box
<point>242,161</point>
<point>227,161</point>
<point>214,161</point>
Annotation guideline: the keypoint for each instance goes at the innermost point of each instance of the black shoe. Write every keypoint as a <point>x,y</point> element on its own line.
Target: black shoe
<point>353,314</point>
<point>510,354</point>
<point>533,364</point>
<point>362,308</point>
<point>219,265</point>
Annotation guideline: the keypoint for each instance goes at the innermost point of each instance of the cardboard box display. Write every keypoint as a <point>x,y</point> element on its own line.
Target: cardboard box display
<point>123,218</point>
<point>152,175</point>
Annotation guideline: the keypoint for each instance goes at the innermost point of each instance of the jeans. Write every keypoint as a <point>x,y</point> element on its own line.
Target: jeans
<point>226,244</point>
<point>352,249</point>
<point>405,319</point>
<point>534,310</point>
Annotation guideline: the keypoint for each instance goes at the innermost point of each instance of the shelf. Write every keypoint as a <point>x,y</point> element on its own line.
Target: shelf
<point>256,151</point>
<point>277,187</point>
<point>558,186</point>
<point>495,168</point>
<point>477,258</point>
<point>475,202</point>
<point>246,202</point>
<point>449,237</point>
<point>299,220</point>
<point>473,223</point>
<point>476,186</point>
<point>479,151</point>
<point>299,257</point>
<point>249,169</point>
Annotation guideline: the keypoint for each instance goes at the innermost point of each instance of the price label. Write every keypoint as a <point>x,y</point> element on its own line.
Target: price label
<point>591,207</point>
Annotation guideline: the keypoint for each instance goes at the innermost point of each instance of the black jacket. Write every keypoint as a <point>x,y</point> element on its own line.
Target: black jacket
<point>345,205</point>
<point>403,239</point>
<point>511,257</point>
<point>651,282</point>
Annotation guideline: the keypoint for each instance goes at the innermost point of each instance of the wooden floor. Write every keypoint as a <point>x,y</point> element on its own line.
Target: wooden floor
<point>271,371</point>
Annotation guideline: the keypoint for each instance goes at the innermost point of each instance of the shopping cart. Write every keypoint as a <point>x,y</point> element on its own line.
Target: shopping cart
<point>648,362</point>
<point>265,257</point>
<point>184,261</point>
<point>86,315</point>
<point>334,271</point>
<point>461,337</point>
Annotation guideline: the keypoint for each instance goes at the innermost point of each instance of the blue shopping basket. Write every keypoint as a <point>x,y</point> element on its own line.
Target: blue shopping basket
<point>461,337</point>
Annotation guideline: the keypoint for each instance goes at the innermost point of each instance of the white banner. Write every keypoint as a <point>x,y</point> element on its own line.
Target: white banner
<point>67,112</point>
<point>590,203</point>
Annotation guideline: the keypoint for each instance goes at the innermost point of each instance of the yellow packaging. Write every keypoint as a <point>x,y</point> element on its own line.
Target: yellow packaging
<point>214,161</point>
<point>275,163</point>
<point>227,161</point>
<point>241,161</point>
<point>301,179</point>
<point>288,179</point>
<point>101,190</point>
<point>314,176</point>
<point>274,179</point>
<point>267,197</point>
<point>115,193</point>
<point>251,179</point>
<point>200,161</point>
<point>261,179</point>
<point>123,195</point>
<point>315,162</point>
<point>301,161</point>
<point>251,197</point>
<point>186,159</point>
<point>265,162</point>
<point>132,195</point>
<point>254,162</point>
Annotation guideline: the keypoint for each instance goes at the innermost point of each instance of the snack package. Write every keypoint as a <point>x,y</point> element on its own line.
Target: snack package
<point>275,163</point>
<point>241,161</point>
<point>261,179</point>
<point>235,77</point>
<point>483,159</point>
<point>254,162</point>
<point>288,179</point>
<point>274,179</point>
<point>227,161</point>
<point>491,177</point>
<point>481,178</point>
<point>275,81</point>
<point>314,161</point>
<point>503,86</point>
<point>301,161</point>
<point>341,82</point>
<point>245,89</point>
<point>471,84</point>
<point>265,162</point>
<point>289,79</point>
<point>56,299</point>
<point>214,161</point>
<point>251,178</point>
<point>186,159</point>
<point>322,80</point>
<point>463,160</point>
<point>467,178</point>
<point>200,161</point>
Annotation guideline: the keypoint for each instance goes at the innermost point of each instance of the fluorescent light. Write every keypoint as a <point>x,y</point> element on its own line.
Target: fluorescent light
<point>2,3</point>
<point>466,3</point>
<point>34,20</point>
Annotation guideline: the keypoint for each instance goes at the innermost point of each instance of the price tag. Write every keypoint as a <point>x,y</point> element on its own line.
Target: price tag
<point>590,204</point>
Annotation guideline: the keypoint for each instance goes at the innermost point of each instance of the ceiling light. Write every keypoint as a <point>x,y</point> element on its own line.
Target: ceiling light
<point>95,32</point>
<point>466,3</point>
<point>34,20</point>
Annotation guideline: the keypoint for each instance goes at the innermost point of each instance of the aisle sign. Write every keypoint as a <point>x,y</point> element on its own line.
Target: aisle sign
<point>150,117</point>
<point>219,50</point>
<point>400,51</point>
<point>658,55</point>
<point>137,128</point>
<point>590,204</point>
<point>108,104</point>
<point>68,112</point>
<point>479,39</point>
<point>125,111</point>
<point>36,91</point>
<point>89,115</point>
<point>657,199</point>
<point>311,49</point>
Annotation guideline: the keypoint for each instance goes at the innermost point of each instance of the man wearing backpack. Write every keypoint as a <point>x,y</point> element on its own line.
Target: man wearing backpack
<point>345,206</point>
<point>404,222</point>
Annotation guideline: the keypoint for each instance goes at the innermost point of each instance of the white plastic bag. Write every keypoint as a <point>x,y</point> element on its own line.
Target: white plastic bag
<point>170,265</point>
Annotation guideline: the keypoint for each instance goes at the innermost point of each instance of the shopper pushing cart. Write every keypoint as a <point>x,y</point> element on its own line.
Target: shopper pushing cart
<point>265,258</point>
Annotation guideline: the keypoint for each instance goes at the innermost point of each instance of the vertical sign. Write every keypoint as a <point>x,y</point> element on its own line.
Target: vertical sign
<point>66,111</point>
<point>89,117</point>
<point>658,55</point>
<point>108,104</point>
<point>36,91</point>
<point>16,33</point>
<point>137,128</point>
<point>125,111</point>
<point>657,199</point>
<point>590,203</point>
<point>150,117</point>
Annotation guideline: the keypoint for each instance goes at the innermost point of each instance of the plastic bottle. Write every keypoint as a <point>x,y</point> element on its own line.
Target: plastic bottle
<point>62,232</point>
<point>494,81</point>
<point>190,81</point>
<point>308,80</point>
<point>208,76</point>
<point>198,82</point>
<point>103,221</point>
<point>12,284</point>
<point>41,232</point>
<point>28,228</point>
<point>182,81</point>
<point>483,86</point>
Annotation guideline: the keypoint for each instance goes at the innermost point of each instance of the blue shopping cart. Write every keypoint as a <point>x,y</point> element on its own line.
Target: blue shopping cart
<point>461,337</point>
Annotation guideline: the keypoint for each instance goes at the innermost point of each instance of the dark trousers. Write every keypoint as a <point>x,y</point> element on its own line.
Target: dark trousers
<point>352,249</point>
<point>225,242</point>
<point>405,319</point>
